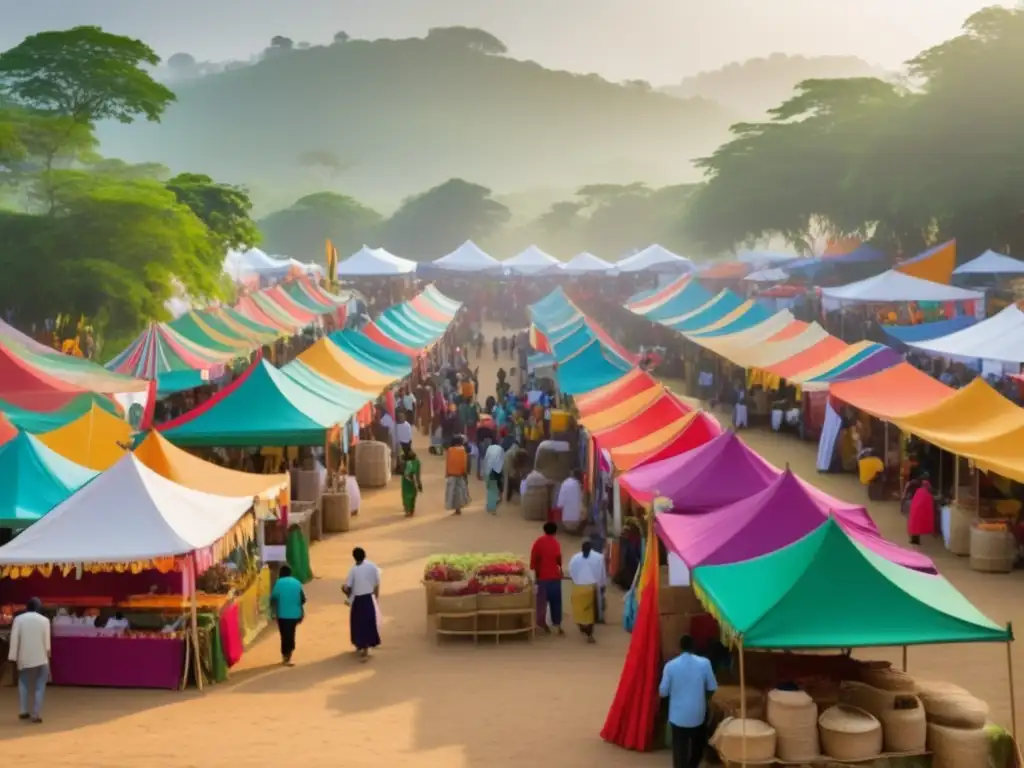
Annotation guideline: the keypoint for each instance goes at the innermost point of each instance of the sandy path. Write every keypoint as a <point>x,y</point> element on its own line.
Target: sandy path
<point>418,703</point>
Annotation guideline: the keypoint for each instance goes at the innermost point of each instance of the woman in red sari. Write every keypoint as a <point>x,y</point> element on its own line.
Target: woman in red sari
<point>921,520</point>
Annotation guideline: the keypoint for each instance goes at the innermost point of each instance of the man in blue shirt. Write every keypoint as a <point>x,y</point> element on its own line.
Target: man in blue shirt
<point>287,602</point>
<point>688,682</point>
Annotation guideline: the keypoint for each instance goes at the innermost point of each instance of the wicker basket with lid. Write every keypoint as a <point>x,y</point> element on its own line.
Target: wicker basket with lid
<point>850,733</point>
<point>794,716</point>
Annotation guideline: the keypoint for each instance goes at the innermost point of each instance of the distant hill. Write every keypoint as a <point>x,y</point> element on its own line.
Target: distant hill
<point>382,119</point>
<point>750,88</point>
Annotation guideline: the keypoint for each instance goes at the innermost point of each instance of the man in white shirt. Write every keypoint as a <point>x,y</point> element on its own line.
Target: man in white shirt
<point>570,500</point>
<point>587,571</point>
<point>403,434</point>
<point>30,650</point>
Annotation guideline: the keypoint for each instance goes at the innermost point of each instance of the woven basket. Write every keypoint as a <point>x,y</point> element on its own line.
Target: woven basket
<point>556,466</point>
<point>992,551</point>
<point>794,716</point>
<point>744,742</point>
<point>960,519</point>
<point>957,747</point>
<point>850,733</point>
<point>888,680</point>
<point>373,464</point>
<point>867,697</point>
<point>952,706</point>
<point>455,603</point>
<point>432,589</point>
<point>536,503</point>
<point>727,700</point>
<point>510,602</point>
<point>336,518</point>
<point>904,729</point>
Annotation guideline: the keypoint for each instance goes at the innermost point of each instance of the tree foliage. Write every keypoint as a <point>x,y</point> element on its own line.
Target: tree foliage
<point>469,37</point>
<point>225,209</point>
<point>904,166</point>
<point>301,230</point>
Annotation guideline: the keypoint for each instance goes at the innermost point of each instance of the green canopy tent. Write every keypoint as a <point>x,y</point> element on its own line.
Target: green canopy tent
<point>828,591</point>
<point>263,407</point>
<point>34,479</point>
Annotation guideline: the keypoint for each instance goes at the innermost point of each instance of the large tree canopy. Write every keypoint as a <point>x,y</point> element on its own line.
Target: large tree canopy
<point>301,230</point>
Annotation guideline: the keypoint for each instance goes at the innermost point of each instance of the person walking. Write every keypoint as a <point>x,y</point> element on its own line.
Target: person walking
<point>288,604</point>
<point>362,588</point>
<point>456,485</point>
<point>588,574</point>
<point>546,564</point>
<point>921,520</point>
<point>493,464</point>
<point>30,651</point>
<point>412,484</point>
<point>688,682</point>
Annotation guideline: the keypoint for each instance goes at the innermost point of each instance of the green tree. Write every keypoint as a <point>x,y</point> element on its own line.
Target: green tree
<point>225,209</point>
<point>431,224</point>
<point>301,230</point>
<point>469,37</point>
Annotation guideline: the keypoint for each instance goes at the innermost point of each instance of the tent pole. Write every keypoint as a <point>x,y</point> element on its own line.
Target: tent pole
<point>743,704</point>
<point>196,661</point>
<point>1013,698</point>
<point>956,480</point>
<point>904,658</point>
<point>940,471</point>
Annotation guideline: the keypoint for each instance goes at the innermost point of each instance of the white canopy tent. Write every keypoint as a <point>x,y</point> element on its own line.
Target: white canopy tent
<point>467,258</point>
<point>895,287</point>
<point>240,265</point>
<point>770,275</point>
<point>586,264</point>
<point>991,263</point>
<point>128,513</point>
<point>655,258</point>
<point>1000,338</point>
<point>374,262</point>
<point>759,259</point>
<point>531,261</point>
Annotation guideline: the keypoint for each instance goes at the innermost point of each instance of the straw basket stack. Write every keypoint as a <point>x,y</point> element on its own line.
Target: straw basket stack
<point>728,701</point>
<point>373,464</point>
<point>867,697</point>
<point>745,742</point>
<point>794,716</point>
<point>960,518</point>
<point>957,747</point>
<point>951,706</point>
<point>850,733</point>
<point>904,728</point>
<point>888,679</point>
<point>536,502</point>
<point>336,517</point>
<point>458,612</point>
<point>993,549</point>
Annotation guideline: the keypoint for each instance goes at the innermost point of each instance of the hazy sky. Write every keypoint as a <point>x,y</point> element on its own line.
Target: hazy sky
<point>657,40</point>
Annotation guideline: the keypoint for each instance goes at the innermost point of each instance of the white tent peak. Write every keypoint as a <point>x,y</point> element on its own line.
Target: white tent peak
<point>586,263</point>
<point>127,513</point>
<point>655,258</point>
<point>893,286</point>
<point>991,263</point>
<point>1000,338</point>
<point>530,261</point>
<point>468,257</point>
<point>374,262</point>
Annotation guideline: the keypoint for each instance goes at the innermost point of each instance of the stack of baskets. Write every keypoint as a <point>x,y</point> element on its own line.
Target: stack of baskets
<point>794,716</point>
<point>373,464</point>
<point>336,518</point>
<point>536,502</point>
<point>745,742</point>
<point>956,725</point>
<point>960,518</point>
<point>850,734</point>
<point>993,548</point>
<point>900,713</point>
<point>458,612</point>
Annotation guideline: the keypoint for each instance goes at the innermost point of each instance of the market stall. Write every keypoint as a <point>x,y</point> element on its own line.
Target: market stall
<point>125,566</point>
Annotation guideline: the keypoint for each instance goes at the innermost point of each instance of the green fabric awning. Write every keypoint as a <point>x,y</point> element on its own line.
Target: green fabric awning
<point>34,479</point>
<point>827,591</point>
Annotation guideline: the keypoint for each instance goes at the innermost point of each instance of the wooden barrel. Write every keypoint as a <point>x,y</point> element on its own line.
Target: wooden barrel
<point>336,513</point>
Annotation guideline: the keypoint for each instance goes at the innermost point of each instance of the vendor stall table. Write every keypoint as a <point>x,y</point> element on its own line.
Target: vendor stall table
<point>118,662</point>
<point>487,622</point>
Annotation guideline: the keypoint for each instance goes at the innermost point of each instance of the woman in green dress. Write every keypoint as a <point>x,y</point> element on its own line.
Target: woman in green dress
<point>411,483</point>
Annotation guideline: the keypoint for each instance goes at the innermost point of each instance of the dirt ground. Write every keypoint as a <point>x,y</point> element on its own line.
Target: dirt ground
<point>420,703</point>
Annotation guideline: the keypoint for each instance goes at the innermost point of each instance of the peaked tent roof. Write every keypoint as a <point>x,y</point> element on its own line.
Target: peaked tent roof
<point>97,439</point>
<point>935,264</point>
<point>531,261</point>
<point>588,369</point>
<point>768,275</point>
<point>263,406</point>
<point>628,386</point>
<point>622,409</point>
<point>468,257</point>
<point>586,264</point>
<point>894,286</point>
<point>686,434</point>
<point>654,258</point>
<point>34,479</point>
<point>782,513</point>
<point>828,591</point>
<point>893,393</point>
<point>181,467</point>
<point>1000,337</point>
<point>991,263</point>
<point>937,329</point>
<point>374,262</point>
<point>128,513</point>
<point>369,352</point>
<point>331,361</point>
<point>7,430</point>
<point>664,410</point>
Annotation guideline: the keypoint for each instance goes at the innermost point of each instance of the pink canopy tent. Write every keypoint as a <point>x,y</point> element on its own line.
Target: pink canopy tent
<point>782,513</point>
<point>720,472</point>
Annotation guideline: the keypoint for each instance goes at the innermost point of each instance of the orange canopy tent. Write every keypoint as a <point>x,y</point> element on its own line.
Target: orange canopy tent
<point>662,413</point>
<point>621,411</point>
<point>629,385</point>
<point>689,432</point>
<point>898,391</point>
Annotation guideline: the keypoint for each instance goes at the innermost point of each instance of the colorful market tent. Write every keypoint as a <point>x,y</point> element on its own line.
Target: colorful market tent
<point>7,430</point>
<point>1000,337</point>
<point>898,391</point>
<point>531,261</point>
<point>38,422</point>
<point>909,334</point>
<point>369,352</point>
<point>853,362</point>
<point>12,336</point>
<point>633,383</point>
<point>839,256</point>
<point>374,262</point>
<point>280,298</point>
<point>654,258</point>
<point>758,525</point>
<point>127,514</point>
<point>97,439</point>
<point>768,275</point>
<point>690,297</point>
<point>664,411</point>
<point>896,287</point>
<point>640,302</point>
<point>332,362</point>
<point>34,479</point>
<point>827,590</point>
<point>175,363</point>
<point>31,388</point>
<point>585,264</point>
<point>589,368</point>
<point>467,258</point>
<point>622,409</point>
<point>935,264</point>
<point>263,406</point>
<point>189,471</point>
<point>991,263</point>
<point>688,433</point>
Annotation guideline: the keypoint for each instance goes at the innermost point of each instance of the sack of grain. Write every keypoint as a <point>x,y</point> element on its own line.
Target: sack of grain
<point>951,705</point>
<point>850,733</point>
<point>957,747</point>
<point>744,742</point>
<point>903,727</point>
<point>794,716</point>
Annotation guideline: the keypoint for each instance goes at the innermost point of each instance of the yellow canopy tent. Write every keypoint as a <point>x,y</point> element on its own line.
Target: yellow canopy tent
<point>621,411</point>
<point>192,472</point>
<point>96,439</point>
<point>329,360</point>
